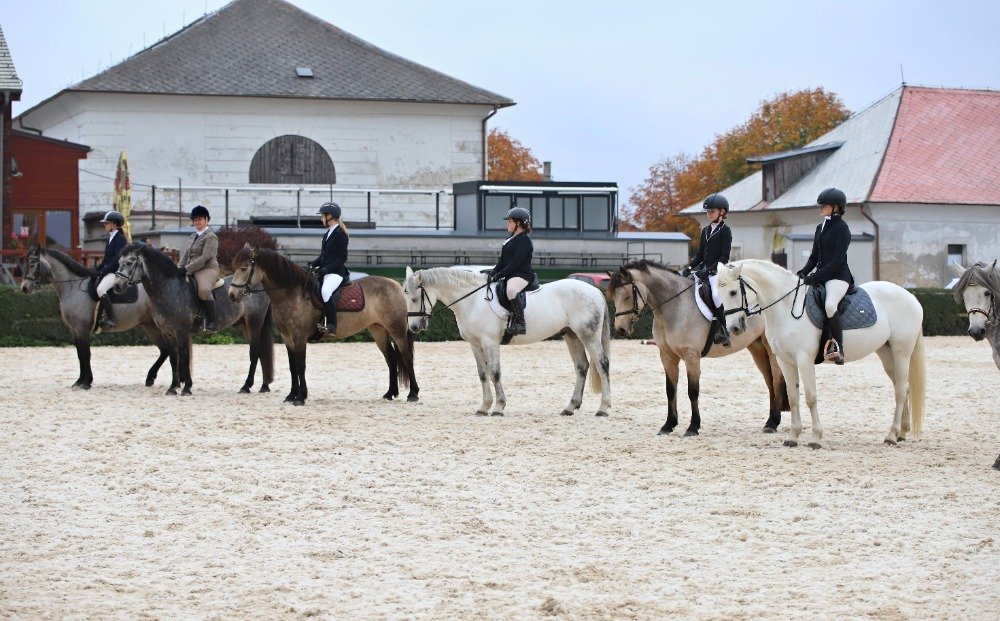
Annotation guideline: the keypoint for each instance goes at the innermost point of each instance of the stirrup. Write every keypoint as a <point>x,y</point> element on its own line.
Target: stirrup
<point>832,352</point>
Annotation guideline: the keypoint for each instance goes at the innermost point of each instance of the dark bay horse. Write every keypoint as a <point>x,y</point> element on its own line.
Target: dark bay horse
<point>384,315</point>
<point>76,308</point>
<point>681,331</point>
<point>173,309</point>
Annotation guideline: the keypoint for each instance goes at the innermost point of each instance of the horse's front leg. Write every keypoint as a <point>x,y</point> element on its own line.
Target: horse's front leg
<point>184,361</point>
<point>175,373</point>
<point>492,353</point>
<point>483,368</point>
<point>791,373</point>
<point>155,369</point>
<point>671,371</point>
<point>303,390</point>
<point>807,374</point>
<point>692,364</point>
<point>293,392</point>
<point>86,377</point>
<point>254,357</point>
<point>580,363</point>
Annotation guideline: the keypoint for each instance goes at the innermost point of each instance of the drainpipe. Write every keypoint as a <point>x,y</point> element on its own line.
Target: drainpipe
<point>878,257</point>
<point>485,136</point>
<point>20,121</point>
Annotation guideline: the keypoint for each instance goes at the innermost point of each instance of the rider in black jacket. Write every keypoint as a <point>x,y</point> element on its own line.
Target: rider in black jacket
<point>514,265</point>
<point>331,265</point>
<point>829,258</point>
<point>104,274</point>
<point>714,246</point>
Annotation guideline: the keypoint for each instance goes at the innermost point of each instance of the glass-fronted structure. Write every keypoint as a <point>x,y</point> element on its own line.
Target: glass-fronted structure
<point>557,208</point>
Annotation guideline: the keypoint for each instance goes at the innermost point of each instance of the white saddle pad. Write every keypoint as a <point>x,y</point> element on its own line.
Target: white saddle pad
<point>500,311</point>
<point>705,310</point>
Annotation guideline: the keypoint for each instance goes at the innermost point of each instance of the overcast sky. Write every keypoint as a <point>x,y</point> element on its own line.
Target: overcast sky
<point>603,89</point>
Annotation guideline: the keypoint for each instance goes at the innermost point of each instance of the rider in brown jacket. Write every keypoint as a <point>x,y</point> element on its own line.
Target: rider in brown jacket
<point>199,260</point>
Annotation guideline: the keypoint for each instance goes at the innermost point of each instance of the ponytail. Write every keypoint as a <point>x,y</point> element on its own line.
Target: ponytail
<point>343,226</point>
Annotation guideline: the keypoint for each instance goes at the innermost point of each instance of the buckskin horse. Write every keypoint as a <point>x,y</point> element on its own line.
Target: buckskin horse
<point>285,283</point>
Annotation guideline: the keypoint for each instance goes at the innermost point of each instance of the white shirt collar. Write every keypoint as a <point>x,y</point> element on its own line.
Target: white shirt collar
<point>113,233</point>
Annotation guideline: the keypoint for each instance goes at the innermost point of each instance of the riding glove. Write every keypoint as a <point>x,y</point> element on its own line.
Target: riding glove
<point>182,271</point>
<point>686,271</point>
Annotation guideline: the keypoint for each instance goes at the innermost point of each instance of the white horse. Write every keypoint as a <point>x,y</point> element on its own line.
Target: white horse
<point>568,307</point>
<point>978,288</point>
<point>753,286</point>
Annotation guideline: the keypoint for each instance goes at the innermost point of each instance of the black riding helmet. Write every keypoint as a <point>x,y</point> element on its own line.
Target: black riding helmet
<point>330,209</point>
<point>716,201</point>
<point>200,212</point>
<point>833,196</point>
<point>518,213</point>
<point>115,217</point>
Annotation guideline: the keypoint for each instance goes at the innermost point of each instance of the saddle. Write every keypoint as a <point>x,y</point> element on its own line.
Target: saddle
<point>352,296</point>
<point>501,290</point>
<point>193,285</point>
<point>704,291</point>
<point>129,296</point>
<point>856,311</point>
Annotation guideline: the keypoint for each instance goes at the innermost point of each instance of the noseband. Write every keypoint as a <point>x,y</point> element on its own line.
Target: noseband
<point>425,301</point>
<point>990,313</point>
<point>636,307</point>
<point>253,266</point>
<point>128,279</point>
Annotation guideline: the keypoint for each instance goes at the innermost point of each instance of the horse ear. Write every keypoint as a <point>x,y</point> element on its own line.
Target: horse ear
<point>957,269</point>
<point>409,273</point>
<point>246,246</point>
<point>625,275</point>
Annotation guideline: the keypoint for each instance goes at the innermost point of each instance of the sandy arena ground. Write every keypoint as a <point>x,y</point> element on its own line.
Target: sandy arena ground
<point>123,502</point>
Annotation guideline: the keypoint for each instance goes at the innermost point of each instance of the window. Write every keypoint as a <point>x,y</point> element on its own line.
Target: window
<point>292,159</point>
<point>956,254</point>
<point>497,206</point>
<point>539,212</point>
<point>596,213</point>
<point>563,212</point>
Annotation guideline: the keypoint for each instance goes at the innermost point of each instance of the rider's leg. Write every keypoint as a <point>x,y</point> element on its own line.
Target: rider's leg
<point>206,279</point>
<point>108,320</point>
<point>515,286</point>
<point>331,294</point>
<point>721,332</point>
<point>835,290</point>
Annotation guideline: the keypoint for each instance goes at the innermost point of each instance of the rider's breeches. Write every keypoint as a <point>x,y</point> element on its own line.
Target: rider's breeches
<point>206,279</point>
<point>515,285</point>
<point>330,284</point>
<point>105,285</point>
<point>835,290</point>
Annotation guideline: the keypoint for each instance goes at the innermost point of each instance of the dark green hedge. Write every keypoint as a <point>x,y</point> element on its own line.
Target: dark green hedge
<point>33,320</point>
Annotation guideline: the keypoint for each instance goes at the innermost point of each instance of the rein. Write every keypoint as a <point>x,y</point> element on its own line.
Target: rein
<point>426,299</point>
<point>760,309</point>
<point>637,296</point>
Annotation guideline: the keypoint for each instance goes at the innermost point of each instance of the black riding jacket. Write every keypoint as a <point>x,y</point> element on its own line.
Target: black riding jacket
<point>333,254</point>
<point>713,248</point>
<point>829,252</point>
<point>515,258</point>
<point>113,248</point>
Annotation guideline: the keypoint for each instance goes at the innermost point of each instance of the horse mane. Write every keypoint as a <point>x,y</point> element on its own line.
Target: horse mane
<point>451,276</point>
<point>278,266</point>
<point>68,261</point>
<point>763,265</point>
<point>978,274</point>
<point>154,258</point>
<point>642,265</point>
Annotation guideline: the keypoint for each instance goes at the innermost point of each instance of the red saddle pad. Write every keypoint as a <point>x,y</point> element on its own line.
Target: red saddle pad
<point>352,298</point>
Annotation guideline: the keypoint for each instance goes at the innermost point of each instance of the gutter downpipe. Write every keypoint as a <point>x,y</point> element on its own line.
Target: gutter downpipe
<point>878,257</point>
<point>485,137</point>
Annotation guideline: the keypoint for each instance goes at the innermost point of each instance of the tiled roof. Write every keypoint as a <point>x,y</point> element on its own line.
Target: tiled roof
<point>945,148</point>
<point>8,75</point>
<point>253,47</point>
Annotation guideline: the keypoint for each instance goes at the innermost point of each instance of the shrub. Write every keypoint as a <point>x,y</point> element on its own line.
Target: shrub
<point>233,238</point>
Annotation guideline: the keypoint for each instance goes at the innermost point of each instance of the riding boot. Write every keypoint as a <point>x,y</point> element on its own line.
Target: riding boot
<point>108,318</point>
<point>208,312</point>
<point>835,346</point>
<point>721,332</point>
<point>517,305</point>
<point>329,325</point>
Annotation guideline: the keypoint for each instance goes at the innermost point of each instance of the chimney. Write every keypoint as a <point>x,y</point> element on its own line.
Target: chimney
<point>547,171</point>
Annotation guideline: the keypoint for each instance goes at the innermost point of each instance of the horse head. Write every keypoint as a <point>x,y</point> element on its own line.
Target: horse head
<point>419,301</point>
<point>738,297</point>
<point>36,269</point>
<point>131,267</point>
<point>629,297</point>
<point>977,289</point>
<point>245,273</point>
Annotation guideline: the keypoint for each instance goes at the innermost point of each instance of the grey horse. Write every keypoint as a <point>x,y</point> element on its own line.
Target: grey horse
<point>173,309</point>
<point>77,308</point>
<point>681,331</point>
<point>978,288</point>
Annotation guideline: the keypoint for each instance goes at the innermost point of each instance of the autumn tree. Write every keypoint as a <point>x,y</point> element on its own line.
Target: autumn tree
<point>787,121</point>
<point>509,160</point>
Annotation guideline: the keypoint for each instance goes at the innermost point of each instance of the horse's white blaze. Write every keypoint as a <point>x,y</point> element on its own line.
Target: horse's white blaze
<point>896,337</point>
<point>565,304</point>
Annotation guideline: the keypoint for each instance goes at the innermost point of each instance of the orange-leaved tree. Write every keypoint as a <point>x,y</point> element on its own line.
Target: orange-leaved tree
<point>786,121</point>
<point>509,160</point>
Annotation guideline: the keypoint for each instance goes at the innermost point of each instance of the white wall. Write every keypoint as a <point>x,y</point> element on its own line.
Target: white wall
<point>210,141</point>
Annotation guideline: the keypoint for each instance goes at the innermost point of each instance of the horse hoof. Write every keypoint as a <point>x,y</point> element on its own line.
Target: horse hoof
<point>901,439</point>
<point>996,464</point>
<point>244,391</point>
<point>601,413</point>
<point>264,389</point>
<point>690,432</point>
<point>388,396</point>
<point>84,386</point>
<point>412,398</point>
<point>566,413</point>
<point>791,443</point>
<point>481,413</point>
<point>289,399</point>
<point>815,445</point>
<point>496,413</point>
<point>770,430</point>
<point>664,431</point>
<point>186,392</point>
<point>171,391</point>
<point>889,442</point>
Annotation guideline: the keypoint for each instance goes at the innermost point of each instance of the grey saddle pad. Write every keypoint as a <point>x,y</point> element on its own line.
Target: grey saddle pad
<point>857,311</point>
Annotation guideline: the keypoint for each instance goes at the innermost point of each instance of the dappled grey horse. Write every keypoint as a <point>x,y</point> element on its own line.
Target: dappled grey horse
<point>174,308</point>
<point>978,288</point>
<point>76,308</point>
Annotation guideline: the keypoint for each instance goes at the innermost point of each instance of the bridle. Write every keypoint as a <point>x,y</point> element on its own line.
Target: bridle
<point>128,279</point>
<point>636,308</point>
<point>990,313</point>
<point>750,312</point>
<point>253,267</point>
<point>425,301</point>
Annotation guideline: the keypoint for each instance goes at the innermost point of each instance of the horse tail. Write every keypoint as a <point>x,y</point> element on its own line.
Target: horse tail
<point>404,357</point>
<point>595,376</point>
<point>266,347</point>
<point>918,384</point>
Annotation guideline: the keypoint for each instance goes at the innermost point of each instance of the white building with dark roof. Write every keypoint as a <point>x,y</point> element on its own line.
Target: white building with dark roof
<point>921,170</point>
